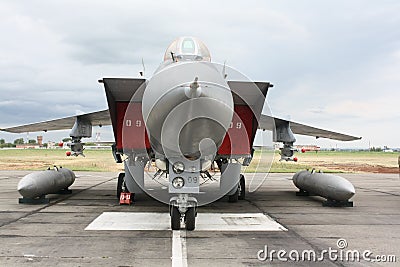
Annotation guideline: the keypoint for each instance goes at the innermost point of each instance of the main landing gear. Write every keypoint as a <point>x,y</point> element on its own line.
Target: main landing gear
<point>121,187</point>
<point>240,193</point>
<point>120,184</point>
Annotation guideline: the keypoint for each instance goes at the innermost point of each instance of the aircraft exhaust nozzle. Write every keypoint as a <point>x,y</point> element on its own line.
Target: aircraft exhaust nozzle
<point>37,184</point>
<point>325,185</point>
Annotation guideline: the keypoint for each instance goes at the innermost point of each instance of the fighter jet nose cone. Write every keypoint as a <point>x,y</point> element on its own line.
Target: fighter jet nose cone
<point>191,101</point>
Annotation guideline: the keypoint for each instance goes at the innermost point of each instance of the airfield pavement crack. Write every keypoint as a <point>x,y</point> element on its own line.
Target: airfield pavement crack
<point>74,192</point>
<point>378,191</point>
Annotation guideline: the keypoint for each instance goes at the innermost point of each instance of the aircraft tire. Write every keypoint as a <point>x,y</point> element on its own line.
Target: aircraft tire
<point>235,197</point>
<point>242,188</point>
<point>175,218</point>
<point>190,219</point>
<point>120,183</point>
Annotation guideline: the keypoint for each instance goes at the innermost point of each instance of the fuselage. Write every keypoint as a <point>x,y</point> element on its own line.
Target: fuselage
<point>187,105</point>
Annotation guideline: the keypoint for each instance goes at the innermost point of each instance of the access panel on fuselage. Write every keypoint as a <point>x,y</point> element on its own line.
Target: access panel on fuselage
<point>239,138</point>
<point>131,130</point>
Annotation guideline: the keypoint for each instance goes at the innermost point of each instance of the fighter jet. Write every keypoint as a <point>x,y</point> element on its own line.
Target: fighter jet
<point>188,118</point>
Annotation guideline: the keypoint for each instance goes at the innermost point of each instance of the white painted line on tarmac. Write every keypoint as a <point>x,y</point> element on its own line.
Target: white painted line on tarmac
<point>179,252</point>
<point>128,221</point>
<point>142,221</point>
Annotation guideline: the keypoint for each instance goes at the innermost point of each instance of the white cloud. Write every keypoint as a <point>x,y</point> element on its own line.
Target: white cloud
<point>335,64</point>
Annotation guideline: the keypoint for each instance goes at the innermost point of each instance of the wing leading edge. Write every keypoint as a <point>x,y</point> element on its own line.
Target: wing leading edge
<point>98,118</point>
<point>268,123</point>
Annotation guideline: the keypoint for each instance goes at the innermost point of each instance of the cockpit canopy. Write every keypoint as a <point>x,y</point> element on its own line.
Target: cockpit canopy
<point>187,48</point>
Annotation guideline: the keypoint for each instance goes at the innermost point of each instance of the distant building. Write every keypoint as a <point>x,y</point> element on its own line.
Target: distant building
<point>40,140</point>
<point>38,144</point>
<point>51,144</point>
<point>387,149</point>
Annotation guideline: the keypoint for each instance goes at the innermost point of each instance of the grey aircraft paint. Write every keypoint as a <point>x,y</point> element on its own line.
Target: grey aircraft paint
<point>41,183</point>
<point>325,185</point>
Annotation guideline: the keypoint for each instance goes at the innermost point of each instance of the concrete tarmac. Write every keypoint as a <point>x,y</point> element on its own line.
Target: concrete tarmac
<point>54,234</point>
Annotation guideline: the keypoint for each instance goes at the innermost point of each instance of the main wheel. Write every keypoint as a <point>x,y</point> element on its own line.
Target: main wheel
<point>190,219</point>
<point>235,197</point>
<point>175,218</point>
<point>120,183</point>
<point>242,188</point>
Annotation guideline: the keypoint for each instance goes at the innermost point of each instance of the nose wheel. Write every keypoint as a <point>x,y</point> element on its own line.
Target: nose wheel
<point>183,207</point>
<point>175,218</point>
<point>190,219</point>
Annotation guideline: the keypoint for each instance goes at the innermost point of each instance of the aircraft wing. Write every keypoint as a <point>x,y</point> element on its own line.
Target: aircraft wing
<point>268,123</point>
<point>95,118</point>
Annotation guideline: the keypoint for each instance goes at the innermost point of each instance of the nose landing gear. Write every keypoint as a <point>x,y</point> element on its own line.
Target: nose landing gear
<point>190,218</point>
<point>183,207</point>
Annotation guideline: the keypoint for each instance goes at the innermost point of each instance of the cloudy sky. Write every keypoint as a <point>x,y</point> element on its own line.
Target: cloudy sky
<point>334,64</point>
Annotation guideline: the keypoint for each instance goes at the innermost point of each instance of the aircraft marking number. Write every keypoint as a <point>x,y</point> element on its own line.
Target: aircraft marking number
<point>138,123</point>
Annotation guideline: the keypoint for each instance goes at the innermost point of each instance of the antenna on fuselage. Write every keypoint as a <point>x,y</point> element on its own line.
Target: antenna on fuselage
<point>173,57</point>
<point>142,73</point>
<point>223,70</point>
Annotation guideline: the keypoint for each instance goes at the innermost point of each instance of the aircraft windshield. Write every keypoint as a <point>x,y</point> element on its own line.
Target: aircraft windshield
<point>187,48</point>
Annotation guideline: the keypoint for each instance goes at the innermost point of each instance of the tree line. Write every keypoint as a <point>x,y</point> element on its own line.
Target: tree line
<point>19,141</point>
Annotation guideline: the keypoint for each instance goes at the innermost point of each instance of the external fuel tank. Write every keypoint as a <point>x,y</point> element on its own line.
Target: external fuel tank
<point>41,183</point>
<point>325,185</point>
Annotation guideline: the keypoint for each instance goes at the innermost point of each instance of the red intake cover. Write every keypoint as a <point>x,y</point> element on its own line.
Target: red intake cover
<point>238,139</point>
<point>131,131</point>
